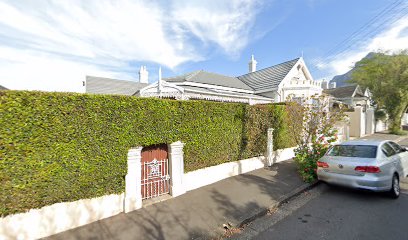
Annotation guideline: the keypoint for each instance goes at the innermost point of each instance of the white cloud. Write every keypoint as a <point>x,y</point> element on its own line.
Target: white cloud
<point>207,20</point>
<point>393,39</point>
<point>52,45</point>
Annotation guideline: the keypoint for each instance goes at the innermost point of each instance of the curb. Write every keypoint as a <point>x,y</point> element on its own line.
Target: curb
<point>284,199</point>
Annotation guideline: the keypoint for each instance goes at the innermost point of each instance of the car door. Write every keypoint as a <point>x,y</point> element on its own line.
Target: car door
<point>402,155</point>
<point>392,162</point>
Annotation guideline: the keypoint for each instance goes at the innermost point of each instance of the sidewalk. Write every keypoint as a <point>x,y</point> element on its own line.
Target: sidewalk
<point>200,213</point>
<point>402,140</point>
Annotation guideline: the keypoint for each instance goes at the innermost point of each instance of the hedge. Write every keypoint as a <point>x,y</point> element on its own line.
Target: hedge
<point>58,147</point>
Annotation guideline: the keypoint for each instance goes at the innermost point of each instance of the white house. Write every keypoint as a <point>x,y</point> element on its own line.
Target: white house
<point>290,79</point>
<point>272,84</point>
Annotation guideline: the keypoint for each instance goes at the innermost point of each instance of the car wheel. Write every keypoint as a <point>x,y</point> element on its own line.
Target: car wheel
<point>395,187</point>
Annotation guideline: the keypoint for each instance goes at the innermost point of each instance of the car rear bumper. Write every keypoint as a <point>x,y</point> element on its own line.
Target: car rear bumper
<point>367,182</point>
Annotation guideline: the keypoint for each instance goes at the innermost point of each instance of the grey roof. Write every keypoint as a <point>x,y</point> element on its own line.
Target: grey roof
<point>201,76</point>
<point>3,88</point>
<point>269,77</point>
<point>345,92</point>
<point>100,85</point>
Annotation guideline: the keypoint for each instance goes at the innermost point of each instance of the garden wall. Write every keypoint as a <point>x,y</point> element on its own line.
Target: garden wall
<point>63,147</point>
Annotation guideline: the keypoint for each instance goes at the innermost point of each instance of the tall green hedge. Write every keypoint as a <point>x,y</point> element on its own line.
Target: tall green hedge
<point>57,147</point>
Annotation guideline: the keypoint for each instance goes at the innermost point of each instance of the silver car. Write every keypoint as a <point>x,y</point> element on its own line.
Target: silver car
<point>365,164</point>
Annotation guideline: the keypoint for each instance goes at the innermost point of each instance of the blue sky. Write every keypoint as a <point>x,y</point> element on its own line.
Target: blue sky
<point>53,45</point>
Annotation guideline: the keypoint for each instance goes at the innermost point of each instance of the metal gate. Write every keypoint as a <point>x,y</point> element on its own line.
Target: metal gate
<point>155,171</point>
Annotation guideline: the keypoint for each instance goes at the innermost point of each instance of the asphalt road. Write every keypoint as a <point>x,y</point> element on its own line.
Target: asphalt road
<point>329,212</point>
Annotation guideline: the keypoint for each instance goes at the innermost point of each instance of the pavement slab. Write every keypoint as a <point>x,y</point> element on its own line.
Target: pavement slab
<point>201,213</point>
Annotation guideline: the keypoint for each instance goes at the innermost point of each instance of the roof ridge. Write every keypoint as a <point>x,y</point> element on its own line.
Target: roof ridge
<point>192,74</point>
<point>348,86</point>
<point>237,78</point>
<point>295,59</point>
<point>113,79</point>
<point>217,73</point>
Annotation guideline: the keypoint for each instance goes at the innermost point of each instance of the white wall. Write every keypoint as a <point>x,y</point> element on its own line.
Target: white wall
<point>362,123</point>
<point>405,119</point>
<point>355,122</point>
<point>370,121</point>
<point>380,126</point>
<point>38,223</point>
<point>205,176</point>
<point>59,217</point>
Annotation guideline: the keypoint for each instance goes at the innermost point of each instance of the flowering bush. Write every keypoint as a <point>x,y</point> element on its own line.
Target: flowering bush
<point>318,132</point>
<point>307,156</point>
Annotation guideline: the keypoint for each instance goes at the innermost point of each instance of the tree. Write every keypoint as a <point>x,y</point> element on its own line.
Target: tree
<point>315,133</point>
<point>387,78</point>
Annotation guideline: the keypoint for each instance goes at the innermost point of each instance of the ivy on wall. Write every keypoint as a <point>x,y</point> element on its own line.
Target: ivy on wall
<point>59,147</point>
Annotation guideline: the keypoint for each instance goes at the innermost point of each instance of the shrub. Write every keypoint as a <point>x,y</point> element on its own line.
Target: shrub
<point>313,132</point>
<point>57,147</point>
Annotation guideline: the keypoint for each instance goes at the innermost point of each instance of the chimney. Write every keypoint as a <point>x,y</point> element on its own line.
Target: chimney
<point>143,75</point>
<point>325,84</point>
<point>252,64</point>
<point>333,85</point>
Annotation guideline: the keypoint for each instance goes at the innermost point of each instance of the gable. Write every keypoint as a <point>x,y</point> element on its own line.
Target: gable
<point>160,87</point>
<point>342,92</point>
<point>268,78</point>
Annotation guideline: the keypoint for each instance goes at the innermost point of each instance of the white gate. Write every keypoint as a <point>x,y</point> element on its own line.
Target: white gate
<point>155,171</point>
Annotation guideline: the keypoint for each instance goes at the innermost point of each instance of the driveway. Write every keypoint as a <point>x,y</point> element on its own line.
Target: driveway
<point>402,140</point>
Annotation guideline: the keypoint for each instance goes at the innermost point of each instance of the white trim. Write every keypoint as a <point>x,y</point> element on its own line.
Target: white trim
<point>307,69</point>
<point>308,87</point>
<point>229,95</point>
<point>290,74</point>
<point>210,97</point>
<point>266,90</point>
<point>210,86</point>
<point>219,98</point>
<point>166,87</point>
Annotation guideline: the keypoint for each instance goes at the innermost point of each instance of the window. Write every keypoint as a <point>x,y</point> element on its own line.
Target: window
<point>396,147</point>
<point>387,150</point>
<point>361,151</point>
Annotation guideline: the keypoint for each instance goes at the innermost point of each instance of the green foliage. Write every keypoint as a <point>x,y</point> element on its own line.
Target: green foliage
<point>314,133</point>
<point>380,115</point>
<point>307,156</point>
<point>57,147</point>
<point>387,78</point>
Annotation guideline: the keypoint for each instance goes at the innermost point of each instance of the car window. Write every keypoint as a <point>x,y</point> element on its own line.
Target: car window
<point>362,151</point>
<point>387,150</point>
<point>396,147</point>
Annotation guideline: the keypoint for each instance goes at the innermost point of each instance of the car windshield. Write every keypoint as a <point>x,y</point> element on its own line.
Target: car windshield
<point>362,151</point>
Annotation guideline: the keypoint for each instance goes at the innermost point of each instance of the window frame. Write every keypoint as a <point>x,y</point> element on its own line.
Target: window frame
<point>397,148</point>
<point>385,152</point>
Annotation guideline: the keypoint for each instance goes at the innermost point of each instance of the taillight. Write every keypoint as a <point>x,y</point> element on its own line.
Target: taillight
<point>367,169</point>
<point>322,164</point>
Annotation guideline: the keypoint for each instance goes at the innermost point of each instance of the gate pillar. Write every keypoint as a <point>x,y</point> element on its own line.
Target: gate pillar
<point>133,192</point>
<point>176,168</point>
<point>269,149</point>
